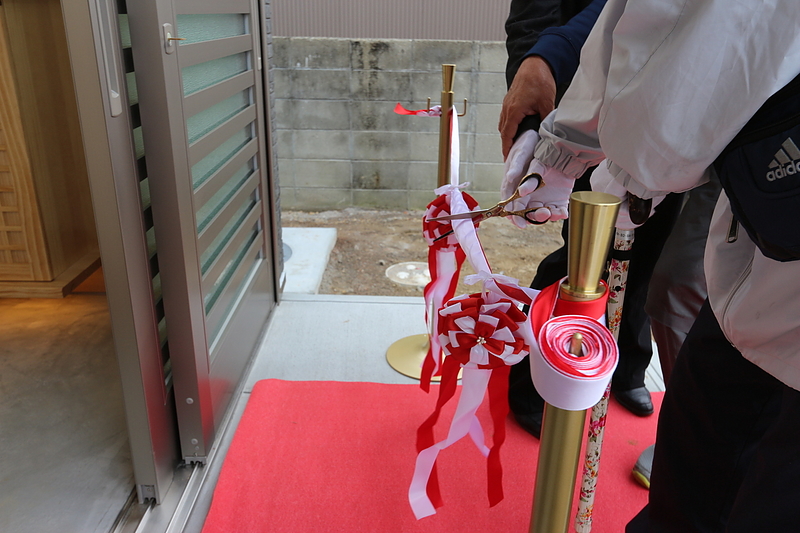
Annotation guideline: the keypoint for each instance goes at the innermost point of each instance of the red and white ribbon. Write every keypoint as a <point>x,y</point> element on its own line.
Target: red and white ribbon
<point>483,334</point>
<point>435,111</point>
<point>480,334</point>
<point>445,258</point>
<point>564,380</point>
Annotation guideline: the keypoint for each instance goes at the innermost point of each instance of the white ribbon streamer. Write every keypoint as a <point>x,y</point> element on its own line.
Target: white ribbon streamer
<point>465,421</point>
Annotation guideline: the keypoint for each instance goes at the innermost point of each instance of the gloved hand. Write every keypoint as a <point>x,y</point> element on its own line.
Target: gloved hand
<point>602,181</point>
<point>517,163</point>
<point>551,200</point>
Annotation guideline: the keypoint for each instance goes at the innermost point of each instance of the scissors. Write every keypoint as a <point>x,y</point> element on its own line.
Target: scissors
<point>499,210</point>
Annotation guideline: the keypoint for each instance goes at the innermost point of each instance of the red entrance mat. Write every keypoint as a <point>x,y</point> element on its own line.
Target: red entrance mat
<point>320,456</point>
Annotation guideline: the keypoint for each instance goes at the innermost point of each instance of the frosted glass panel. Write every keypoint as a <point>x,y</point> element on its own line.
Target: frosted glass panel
<point>150,236</point>
<point>133,91</point>
<point>206,74</point>
<point>217,328</point>
<point>230,268</point>
<point>138,142</point>
<point>215,248</point>
<point>199,28</point>
<point>208,119</point>
<point>124,31</point>
<point>216,202</point>
<point>204,168</point>
<point>144,190</point>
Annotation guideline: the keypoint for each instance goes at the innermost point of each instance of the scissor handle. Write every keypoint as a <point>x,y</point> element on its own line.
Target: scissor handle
<point>528,214</point>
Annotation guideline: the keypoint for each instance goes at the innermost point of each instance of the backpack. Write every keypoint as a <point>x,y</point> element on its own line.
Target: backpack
<point>760,173</point>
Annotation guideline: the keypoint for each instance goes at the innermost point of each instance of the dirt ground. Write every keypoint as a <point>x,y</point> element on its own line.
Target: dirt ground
<point>370,241</point>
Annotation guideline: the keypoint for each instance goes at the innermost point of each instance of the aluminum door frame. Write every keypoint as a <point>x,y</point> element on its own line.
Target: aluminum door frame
<point>108,142</point>
<point>204,385</point>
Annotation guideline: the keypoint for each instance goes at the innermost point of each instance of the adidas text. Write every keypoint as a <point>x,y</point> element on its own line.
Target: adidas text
<point>782,172</point>
<point>785,162</point>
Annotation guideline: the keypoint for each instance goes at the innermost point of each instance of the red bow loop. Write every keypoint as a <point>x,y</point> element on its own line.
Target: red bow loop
<point>480,334</point>
<point>434,230</point>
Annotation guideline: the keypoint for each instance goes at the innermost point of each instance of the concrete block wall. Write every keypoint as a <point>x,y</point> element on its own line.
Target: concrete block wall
<point>339,143</point>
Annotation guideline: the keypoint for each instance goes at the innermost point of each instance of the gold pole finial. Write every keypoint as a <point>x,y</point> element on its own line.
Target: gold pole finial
<point>448,77</point>
<point>591,228</point>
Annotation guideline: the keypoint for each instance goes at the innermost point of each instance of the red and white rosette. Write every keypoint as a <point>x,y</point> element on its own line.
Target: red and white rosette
<point>484,330</point>
<point>445,258</point>
<point>482,334</point>
<point>564,380</point>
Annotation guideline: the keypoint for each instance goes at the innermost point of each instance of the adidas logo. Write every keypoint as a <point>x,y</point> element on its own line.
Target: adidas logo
<point>786,162</point>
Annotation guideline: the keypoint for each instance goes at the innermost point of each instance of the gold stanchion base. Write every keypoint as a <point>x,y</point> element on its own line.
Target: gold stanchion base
<point>406,356</point>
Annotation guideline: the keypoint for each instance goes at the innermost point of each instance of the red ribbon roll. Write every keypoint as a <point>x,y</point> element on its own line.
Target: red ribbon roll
<point>563,379</point>
<point>598,349</point>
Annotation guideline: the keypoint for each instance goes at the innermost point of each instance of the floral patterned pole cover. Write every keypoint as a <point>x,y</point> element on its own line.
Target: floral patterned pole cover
<point>617,279</point>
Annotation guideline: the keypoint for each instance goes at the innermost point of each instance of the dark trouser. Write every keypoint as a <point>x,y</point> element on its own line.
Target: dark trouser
<point>635,346</point>
<point>677,287</point>
<point>727,455</point>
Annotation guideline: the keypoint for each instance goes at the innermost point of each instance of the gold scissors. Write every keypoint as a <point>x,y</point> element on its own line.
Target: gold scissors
<point>499,209</point>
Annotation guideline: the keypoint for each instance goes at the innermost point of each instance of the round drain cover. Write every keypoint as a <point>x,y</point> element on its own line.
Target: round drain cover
<point>411,273</point>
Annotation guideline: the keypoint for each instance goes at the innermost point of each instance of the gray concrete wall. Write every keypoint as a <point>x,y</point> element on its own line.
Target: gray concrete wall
<point>339,142</point>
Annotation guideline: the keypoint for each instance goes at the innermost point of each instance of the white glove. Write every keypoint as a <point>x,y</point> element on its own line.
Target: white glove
<point>551,200</point>
<point>603,181</point>
<point>517,163</point>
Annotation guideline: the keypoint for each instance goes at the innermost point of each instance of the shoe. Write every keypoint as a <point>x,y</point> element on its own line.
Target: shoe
<point>637,401</point>
<point>643,467</point>
<point>530,422</point>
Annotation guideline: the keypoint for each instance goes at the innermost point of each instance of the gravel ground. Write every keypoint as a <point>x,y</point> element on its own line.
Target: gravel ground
<point>370,241</point>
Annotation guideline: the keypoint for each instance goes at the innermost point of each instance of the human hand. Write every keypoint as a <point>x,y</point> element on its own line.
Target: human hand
<point>533,92</point>
<point>602,181</point>
<point>549,200</point>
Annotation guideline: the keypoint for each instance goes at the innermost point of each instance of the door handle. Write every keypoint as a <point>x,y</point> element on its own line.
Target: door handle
<point>169,40</point>
<point>108,51</point>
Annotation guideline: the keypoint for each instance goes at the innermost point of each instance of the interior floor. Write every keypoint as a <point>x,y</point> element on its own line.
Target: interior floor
<point>66,462</point>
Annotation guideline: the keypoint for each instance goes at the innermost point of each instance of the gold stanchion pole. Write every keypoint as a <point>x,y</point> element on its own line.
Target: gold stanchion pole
<point>406,355</point>
<point>592,218</point>
<point>446,124</point>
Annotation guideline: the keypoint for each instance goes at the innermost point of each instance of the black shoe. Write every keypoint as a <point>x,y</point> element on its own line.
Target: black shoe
<point>637,401</point>
<point>530,422</point>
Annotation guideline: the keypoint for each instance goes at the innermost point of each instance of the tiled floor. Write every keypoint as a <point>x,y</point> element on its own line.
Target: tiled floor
<point>66,462</point>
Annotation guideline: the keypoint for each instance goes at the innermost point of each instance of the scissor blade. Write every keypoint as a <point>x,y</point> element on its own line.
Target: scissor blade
<point>458,216</point>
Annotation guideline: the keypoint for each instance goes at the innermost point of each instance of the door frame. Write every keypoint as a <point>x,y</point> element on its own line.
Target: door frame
<point>149,404</point>
<point>161,424</point>
<point>204,381</point>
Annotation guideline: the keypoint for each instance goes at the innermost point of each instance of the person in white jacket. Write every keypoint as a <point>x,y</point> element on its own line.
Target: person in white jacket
<point>663,87</point>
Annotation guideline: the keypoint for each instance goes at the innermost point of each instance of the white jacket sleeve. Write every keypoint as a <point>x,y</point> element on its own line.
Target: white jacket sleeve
<point>664,85</point>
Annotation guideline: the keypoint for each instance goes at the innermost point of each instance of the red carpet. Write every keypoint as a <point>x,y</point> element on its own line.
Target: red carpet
<point>330,456</point>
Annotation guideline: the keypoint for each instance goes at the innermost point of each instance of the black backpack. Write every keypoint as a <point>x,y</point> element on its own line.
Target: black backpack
<point>760,172</point>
